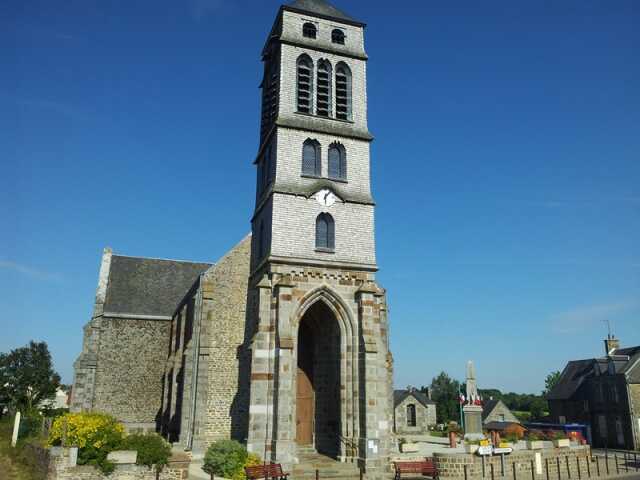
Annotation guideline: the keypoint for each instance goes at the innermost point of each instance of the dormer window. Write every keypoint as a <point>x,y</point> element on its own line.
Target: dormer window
<point>337,36</point>
<point>309,30</point>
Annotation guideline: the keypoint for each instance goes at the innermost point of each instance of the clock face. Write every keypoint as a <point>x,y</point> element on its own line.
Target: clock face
<point>326,197</point>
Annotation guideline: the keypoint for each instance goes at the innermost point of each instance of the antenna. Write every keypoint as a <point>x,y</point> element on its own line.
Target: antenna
<point>608,328</point>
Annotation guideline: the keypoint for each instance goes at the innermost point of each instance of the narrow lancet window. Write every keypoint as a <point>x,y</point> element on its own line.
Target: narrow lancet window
<point>311,158</point>
<point>325,232</point>
<point>305,84</point>
<point>337,162</point>
<point>343,92</point>
<point>323,95</point>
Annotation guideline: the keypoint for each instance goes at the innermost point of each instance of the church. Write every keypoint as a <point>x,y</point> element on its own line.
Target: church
<point>283,344</point>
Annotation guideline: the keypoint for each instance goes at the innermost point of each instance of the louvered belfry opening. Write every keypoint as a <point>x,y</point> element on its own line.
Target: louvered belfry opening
<point>323,97</point>
<point>305,76</point>
<point>343,92</point>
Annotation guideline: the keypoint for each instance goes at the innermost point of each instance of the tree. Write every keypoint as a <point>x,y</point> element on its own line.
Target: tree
<point>27,376</point>
<point>445,392</point>
<point>551,381</point>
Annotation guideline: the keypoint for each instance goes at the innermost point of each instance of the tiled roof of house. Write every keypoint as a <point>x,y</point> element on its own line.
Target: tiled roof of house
<point>573,375</point>
<point>622,361</point>
<point>320,8</point>
<point>400,395</point>
<point>149,286</point>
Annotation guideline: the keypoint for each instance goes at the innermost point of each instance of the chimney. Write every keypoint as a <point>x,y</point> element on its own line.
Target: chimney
<point>611,344</point>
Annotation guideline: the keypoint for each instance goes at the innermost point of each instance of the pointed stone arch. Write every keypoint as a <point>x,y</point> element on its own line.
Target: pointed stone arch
<point>348,359</point>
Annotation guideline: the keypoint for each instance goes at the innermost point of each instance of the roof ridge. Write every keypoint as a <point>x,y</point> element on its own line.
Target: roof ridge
<point>162,259</point>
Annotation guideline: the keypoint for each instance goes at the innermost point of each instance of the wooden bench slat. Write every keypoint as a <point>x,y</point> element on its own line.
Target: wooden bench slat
<point>266,471</point>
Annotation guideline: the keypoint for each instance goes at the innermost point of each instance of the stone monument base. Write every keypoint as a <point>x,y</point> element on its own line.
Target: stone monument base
<point>472,422</point>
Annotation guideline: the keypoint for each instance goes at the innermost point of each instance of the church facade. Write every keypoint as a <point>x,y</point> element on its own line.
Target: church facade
<point>282,344</point>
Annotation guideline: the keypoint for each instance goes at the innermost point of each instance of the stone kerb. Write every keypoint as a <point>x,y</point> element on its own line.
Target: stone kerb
<point>62,467</point>
<point>552,464</point>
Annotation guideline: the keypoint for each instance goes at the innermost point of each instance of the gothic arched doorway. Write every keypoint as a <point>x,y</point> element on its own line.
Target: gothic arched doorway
<point>318,381</point>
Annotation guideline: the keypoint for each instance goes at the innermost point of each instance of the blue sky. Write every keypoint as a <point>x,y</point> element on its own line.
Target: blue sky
<point>506,166</point>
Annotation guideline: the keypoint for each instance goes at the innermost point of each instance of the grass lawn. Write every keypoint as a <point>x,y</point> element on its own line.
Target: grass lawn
<point>11,467</point>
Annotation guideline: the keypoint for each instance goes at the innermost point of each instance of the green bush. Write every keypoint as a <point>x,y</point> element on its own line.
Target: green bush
<point>95,435</point>
<point>225,458</point>
<point>153,450</point>
<point>30,426</point>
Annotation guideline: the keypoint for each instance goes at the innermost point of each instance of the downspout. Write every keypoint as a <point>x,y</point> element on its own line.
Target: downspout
<point>196,364</point>
<point>635,424</point>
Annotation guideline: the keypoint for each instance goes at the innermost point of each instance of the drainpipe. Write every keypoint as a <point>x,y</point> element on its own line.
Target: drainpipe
<point>196,363</point>
<point>635,423</point>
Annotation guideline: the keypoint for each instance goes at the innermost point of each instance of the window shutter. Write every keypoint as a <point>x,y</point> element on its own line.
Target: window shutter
<point>343,92</point>
<point>334,162</point>
<point>310,161</point>
<point>305,73</point>
<point>321,232</point>
<point>323,96</point>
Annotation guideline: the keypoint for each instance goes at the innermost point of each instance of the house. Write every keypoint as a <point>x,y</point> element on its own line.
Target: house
<point>497,411</point>
<point>603,393</point>
<point>413,412</point>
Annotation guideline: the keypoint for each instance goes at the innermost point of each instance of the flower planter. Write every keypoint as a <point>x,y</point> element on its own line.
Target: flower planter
<point>562,443</point>
<point>535,445</point>
<point>409,448</point>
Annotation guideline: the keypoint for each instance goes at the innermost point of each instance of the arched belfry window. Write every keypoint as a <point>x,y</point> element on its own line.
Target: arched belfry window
<point>337,162</point>
<point>343,92</point>
<point>311,164</point>
<point>323,94</point>
<point>309,30</point>
<point>325,232</point>
<point>305,83</point>
<point>411,415</point>
<point>337,36</point>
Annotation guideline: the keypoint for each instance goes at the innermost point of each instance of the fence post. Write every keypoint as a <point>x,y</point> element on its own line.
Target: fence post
<point>588,460</point>
<point>492,474</point>
<point>318,474</point>
<point>466,473</point>
<point>558,465</point>
<point>598,465</point>
<point>546,464</point>
<point>566,461</point>
<point>578,464</point>
<point>606,462</point>
<point>615,459</point>
<point>515,475</point>
<point>533,472</point>
<point>635,460</point>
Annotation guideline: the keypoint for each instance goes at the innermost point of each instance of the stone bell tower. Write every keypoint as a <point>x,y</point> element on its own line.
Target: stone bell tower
<point>320,377</point>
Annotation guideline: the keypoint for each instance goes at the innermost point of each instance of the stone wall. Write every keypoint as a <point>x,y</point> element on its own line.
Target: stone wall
<point>285,295</point>
<point>573,462</point>
<point>128,378</point>
<point>62,467</point>
<point>206,358</point>
<point>425,416</point>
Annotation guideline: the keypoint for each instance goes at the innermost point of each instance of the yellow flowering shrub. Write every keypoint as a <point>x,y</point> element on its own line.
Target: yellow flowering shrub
<point>95,435</point>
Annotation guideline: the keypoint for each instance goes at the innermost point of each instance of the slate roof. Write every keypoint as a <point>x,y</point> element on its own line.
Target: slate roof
<point>320,8</point>
<point>400,395</point>
<point>488,407</point>
<point>149,286</point>
<point>573,375</point>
